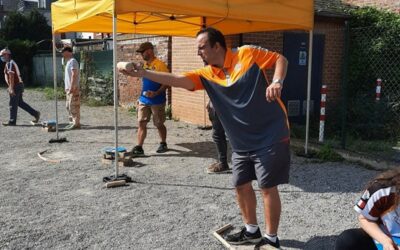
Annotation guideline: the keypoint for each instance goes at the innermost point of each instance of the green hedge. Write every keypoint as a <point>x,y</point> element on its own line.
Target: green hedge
<point>374,52</point>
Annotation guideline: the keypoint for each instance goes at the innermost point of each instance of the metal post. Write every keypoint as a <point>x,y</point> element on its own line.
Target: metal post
<point>322,114</point>
<point>378,89</point>
<point>310,46</point>
<point>55,80</point>
<point>115,74</point>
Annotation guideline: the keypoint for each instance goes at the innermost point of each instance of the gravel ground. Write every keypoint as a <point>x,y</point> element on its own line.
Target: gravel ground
<point>173,203</point>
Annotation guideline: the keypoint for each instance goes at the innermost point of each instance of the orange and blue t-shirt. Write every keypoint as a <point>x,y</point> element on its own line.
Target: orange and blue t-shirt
<point>156,65</point>
<point>238,94</point>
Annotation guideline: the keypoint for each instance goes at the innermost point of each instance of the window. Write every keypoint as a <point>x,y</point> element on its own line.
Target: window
<point>42,4</point>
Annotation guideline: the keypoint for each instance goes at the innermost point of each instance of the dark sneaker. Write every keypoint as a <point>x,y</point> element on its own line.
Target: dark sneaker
<point>137,151</point>
<point>266,244</point>
<point>9,123</point>
<point>244,237</point>
<point>162,148</point>
<point>218,168</point>
<point>37,118</point>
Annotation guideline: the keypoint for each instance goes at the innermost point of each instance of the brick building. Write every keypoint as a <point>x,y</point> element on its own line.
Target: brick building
<point>181,56</point>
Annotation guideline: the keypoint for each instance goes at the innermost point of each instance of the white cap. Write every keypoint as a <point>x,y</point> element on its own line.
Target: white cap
<point>5,51</point>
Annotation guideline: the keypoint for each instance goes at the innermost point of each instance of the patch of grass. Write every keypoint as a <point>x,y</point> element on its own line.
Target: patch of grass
<point>327,153</point>
<point>297,131</point>
<point>323,154</point>
<point>93,102</point>
<point>49,93</point>
<point>168,112</point>
<point>132,110</point>
<point>371,146</point>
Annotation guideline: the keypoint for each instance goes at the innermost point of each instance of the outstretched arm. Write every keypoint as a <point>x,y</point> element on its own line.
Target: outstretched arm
<point>163,78</point>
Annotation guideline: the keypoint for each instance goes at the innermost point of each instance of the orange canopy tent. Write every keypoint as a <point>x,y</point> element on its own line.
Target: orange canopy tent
<point>179,18</point>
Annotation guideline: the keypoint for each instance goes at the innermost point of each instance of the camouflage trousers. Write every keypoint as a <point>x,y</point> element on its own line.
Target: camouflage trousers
<point>73,105</point>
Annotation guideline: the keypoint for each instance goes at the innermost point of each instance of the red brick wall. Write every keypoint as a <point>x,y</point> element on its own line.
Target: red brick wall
<point>393,5</point>
<point>130,87</point>
<point>333,59</point>
<point>187,106</point>
<point>190,106</point>
<point>270,40</point>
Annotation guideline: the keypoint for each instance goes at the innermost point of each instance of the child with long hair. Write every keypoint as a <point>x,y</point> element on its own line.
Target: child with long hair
<point>379,216</point>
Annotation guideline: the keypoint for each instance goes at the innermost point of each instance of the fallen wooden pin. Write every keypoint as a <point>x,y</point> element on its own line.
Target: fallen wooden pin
<point>119,181</point>
<point>219,235</point>
<point>112,184</point>
<point>40,154</point>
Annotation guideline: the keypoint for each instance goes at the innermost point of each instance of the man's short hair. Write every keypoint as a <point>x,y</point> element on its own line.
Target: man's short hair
<point>66,48</point>
<point>214,36</point>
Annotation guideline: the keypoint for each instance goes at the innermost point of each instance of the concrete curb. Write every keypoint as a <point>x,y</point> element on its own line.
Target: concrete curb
<point>371,162</point>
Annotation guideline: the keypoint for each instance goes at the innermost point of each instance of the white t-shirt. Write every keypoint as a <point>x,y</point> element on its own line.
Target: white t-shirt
<point>71,64</point>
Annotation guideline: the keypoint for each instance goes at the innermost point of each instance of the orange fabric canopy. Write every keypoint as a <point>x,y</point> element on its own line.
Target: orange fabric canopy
<point>181,17</point>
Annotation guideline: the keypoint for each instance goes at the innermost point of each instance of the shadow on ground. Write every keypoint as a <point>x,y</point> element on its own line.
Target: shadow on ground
<point>330,177</point>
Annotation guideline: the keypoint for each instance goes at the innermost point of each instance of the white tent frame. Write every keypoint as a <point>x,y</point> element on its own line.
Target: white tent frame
<point>115,86</point>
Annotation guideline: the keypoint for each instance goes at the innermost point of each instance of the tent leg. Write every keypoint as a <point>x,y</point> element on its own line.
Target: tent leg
<point>310,52</point>
<point>57,140</point>
<point>115,180</point>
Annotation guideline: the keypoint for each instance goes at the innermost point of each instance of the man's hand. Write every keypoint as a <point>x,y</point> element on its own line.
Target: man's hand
<point>137,71</point>
<point>273,92</point>
<point>389,246</point>
<point>11,91</point>
<point>150,94</point>
<point>74,90</point>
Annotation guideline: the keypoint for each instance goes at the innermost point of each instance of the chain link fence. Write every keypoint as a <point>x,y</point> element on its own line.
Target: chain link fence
<point>373,88</point>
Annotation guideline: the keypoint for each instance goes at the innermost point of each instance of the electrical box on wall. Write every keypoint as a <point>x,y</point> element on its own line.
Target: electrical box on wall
<point>294,93</point>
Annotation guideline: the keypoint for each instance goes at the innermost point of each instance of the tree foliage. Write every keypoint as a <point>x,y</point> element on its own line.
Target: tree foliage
<point>20,33</point>
<point>32,27</point>
<point>374,52</point>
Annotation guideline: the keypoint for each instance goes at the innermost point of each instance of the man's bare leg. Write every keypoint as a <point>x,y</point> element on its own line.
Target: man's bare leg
<point>246,198</point>
<point>272,209</point>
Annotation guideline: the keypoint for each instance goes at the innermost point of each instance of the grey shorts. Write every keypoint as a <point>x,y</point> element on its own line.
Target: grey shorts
<point>269,166</point>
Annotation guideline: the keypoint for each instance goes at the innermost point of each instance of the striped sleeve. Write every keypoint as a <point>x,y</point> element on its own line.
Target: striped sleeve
<point>374,203</point>
<point>264,58</point>
<point>195,77</point>
<point>15,68</point>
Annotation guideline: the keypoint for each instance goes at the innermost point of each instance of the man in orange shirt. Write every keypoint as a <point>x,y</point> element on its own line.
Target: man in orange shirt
<point>254,119</point>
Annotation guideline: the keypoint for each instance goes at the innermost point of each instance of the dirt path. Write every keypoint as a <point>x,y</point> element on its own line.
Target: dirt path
<point>173,203</point>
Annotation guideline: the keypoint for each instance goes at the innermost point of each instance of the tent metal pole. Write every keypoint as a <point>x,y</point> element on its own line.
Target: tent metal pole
<point>55,80</point>
<point>310,52</point>
<point>115,80</point>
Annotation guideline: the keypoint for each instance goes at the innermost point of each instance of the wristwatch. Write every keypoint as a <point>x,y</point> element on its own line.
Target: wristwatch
<point>280,81</point>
